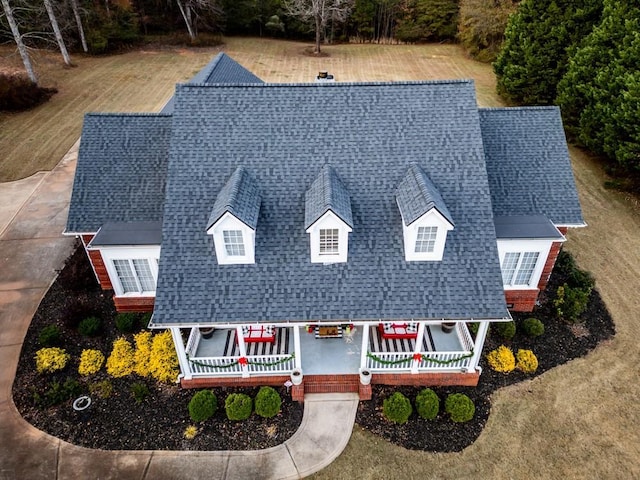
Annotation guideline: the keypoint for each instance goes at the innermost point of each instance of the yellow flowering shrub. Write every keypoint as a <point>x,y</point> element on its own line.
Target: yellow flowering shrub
<point>121,361</point>
<point>527,361</point>
<point>142,355</point>
<point>91,362</point>
<point>163,364</point>
<point>51,359</point>
<point>190,432</point>
<point>501,359</point>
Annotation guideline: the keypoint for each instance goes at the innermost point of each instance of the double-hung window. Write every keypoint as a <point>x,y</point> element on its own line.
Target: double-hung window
<point>233,243</point>
<point>329,241</point>
<point>135,275</point>
<point>518,268</point>
<point>426,239</point>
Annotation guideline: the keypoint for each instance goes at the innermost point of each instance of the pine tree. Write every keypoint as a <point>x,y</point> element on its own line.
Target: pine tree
<point>600,93</point>
<point>538,40</point>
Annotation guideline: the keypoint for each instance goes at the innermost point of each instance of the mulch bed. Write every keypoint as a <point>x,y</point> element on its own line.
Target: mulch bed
<point>560,343</point>
<point>159,421</point>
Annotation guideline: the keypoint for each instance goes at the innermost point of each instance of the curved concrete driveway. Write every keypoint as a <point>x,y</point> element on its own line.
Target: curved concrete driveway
<point>33,213</point>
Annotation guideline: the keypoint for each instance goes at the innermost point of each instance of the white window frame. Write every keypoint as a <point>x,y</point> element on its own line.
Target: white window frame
<point>151,254</point>
<point>229,222</point>
<point>329,221</point>
<point>426,236</point>
<point>233,243</point>
<point>432,218</point>
<point>329,239</point>
<point>522,247</point>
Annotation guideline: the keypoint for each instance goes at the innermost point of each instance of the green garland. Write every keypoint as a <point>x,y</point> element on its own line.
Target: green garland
<point>248,362</point>
<point>422,357</point>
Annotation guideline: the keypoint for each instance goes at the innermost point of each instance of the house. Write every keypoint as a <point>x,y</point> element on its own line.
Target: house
<point>315,232</point>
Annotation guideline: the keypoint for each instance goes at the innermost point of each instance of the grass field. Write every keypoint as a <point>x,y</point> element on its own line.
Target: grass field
<point>580,420</point>
<point>144,80</point>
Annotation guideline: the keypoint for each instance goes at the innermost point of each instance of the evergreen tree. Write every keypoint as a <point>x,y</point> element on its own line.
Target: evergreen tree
<point>538,41</point>
<point>428,20</point>
<point>600,93</point>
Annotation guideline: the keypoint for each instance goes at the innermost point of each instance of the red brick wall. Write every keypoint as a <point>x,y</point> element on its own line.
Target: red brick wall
<point>134,304</point>
<point>98,265</point>
<point>234,381</point>
<point>521,300</point>
<point>427,379</point>
<point>340,383</point>
<point>548,266</point>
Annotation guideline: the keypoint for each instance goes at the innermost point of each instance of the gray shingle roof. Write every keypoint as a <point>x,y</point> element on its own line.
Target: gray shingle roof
<point>222,69</point>
<point>528,164</point>
<point>128,233</point>
<point>417,194</point>
<point>526,227</point>
<point>240,196</point>
<point>327,193</point>
<point>283,135</point>
<point>121,170</point>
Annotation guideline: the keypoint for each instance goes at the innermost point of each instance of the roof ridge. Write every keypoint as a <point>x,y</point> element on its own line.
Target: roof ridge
<point>330,84</point>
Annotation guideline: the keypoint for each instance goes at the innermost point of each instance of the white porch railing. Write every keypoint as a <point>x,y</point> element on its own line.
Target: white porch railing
<point>231,366</point>
<point>387,362</point>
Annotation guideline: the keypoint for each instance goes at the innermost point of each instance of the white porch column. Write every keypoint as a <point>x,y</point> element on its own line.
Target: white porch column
<point>365,346</point>
<point>243,350</point>
<point>182,356</point>
<point>477,346</point>
<point>418,347</point>
<point>296,347</point>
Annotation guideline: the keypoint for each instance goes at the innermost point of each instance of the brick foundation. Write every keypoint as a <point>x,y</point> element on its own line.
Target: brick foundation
<point>340,383</point>
<point>134,304</point>
<point>521,300</point>
<point>433,379</point>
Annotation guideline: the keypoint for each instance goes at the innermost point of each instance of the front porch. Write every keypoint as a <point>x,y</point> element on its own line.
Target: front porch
<point>226,358</point>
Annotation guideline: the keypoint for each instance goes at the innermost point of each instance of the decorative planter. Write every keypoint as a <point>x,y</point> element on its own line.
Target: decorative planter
<point>365,377</point>
<point>207,332</point>
<point>296,376</point>
<point>447,327</point>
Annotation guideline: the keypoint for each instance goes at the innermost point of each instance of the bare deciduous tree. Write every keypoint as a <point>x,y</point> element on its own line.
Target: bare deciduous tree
<point>76,14</point>
<point>57,33</point>
<point>318,13</point>
<point>189,11</point>
<point>26,60</point>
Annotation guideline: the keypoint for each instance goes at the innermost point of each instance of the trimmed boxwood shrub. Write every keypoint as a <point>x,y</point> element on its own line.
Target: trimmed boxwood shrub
<point>267,402</point>
<point>533,327</point>
<point>506,330</point>
<point>127,322</point>
<point>49,336</point>
<point>397,408</point>
<point>203,405</point>
<point>238,406</point>
<point>459,407</point>
<point>428,404</point>
<point>90,327</point>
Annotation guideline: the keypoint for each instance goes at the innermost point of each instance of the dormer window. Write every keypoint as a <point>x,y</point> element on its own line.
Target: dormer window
<point>328,219</point>
<point>426,241</point>
<point>233,243</point>
<point>329,242</point>
<point>234,218</point>
<point>425,217</point>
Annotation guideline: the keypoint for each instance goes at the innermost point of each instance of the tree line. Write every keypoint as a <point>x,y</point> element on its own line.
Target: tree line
<point>583,55</point>
<point>112,24</point>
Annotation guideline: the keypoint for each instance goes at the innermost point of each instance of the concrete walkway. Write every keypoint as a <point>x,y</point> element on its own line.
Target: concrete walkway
<point>33,213</point>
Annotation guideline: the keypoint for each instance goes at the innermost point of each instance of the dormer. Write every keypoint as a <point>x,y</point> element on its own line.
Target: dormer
<point>425,217</point>
<point>328,218</point>
<point>234,218</point>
